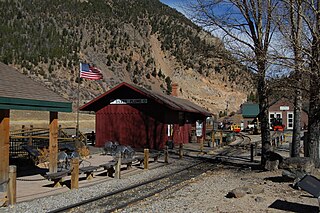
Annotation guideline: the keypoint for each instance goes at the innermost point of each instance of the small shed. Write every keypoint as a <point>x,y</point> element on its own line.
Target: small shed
<point>141,118</point>
<point>249,112</point>
<point>19,92</point>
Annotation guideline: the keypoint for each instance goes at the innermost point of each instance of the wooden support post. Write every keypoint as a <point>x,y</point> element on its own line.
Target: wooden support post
<point>75,173</point>
<point>201,144</point>
<point>180,150</point>
<point>53,142</point>
<point>146,159</point>
<point>118,165</point>
<point>166,155</point>
<point>221,138</point>
<point>213,138</point>
<point>12,189</point>
<point>256,149</point>
<point>30,140</point>
<point>4,146</point>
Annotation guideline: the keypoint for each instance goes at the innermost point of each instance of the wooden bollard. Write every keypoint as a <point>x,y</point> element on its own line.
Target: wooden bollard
<point>180,150</point>
<point>146,159</point>
<point>221,138</point>
<point>12,188</point>
<point>166,155</point>
<point>201,144</point>
<point>118,165</point>
<point>75,173</point>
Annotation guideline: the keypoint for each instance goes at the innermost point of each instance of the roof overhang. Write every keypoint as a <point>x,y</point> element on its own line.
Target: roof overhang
<point>37,105</point>
<point>170,102</point>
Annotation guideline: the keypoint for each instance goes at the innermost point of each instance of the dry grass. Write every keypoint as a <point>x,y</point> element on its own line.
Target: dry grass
<point>40,119</point>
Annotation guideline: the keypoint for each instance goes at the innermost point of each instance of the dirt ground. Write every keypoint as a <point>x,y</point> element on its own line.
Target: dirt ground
<point>212,188</point>
<point>269,192</point>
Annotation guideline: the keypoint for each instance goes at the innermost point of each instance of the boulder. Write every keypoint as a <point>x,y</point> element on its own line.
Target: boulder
<point>301,164</point>
<point>297,167</point>
<point>271,165</point>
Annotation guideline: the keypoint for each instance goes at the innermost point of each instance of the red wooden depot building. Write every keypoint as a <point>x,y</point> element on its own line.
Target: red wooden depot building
<point>135,116</point>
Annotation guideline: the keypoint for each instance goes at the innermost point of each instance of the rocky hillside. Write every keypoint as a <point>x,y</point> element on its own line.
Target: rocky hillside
<point>139,41</point>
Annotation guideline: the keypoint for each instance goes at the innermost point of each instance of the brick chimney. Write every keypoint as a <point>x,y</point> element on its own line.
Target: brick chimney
<point>175,88</point>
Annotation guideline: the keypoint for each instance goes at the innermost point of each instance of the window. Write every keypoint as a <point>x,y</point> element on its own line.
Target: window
<point>290,120</point>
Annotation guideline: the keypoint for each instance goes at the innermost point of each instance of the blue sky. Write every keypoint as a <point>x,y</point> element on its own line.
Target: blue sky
<point>174,3</point>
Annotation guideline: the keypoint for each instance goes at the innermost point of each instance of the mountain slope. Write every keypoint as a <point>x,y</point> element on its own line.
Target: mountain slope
<point>140,41</point>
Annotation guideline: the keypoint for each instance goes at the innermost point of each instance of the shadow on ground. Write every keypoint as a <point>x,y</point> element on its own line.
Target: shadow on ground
<point>279,179</point>
<point>293,207</point>
<point>26,167</point>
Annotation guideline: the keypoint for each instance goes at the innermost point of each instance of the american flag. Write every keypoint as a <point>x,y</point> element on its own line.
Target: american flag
<point>90,72</point>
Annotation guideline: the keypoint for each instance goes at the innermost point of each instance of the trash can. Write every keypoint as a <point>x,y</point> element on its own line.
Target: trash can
<point>170,144</point>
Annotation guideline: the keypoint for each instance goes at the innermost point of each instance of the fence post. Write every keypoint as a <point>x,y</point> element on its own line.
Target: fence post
<point>12,189</point>
<point>221,138</point>
<point>180,150</point>
<point>75,173</point>
<point>118,166</point>
<point>146,159</point>
<point>166,155</point>
<point>251,152</point>
<point>201,144</point>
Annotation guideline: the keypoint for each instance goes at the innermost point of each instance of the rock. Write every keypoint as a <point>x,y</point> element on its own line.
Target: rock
<point>297,167</point>
<point>236,193</point>
<point>256,190</point>
<point>259,199</point>
<point>301,164</point>
<point>242,191</point>
<point>272,156</point>
<point>272,165</point>
<point>294,174</point>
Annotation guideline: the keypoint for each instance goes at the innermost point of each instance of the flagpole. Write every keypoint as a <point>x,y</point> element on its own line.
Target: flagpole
<point>78,103</point>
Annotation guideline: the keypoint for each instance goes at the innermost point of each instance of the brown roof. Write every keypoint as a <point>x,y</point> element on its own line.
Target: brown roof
<point>13,84</point>
<point>174,103</point>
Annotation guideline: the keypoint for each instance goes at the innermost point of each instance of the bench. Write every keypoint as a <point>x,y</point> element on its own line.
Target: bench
<point>57,177</point>
<point>88,170</point>
<point>32,152</point>
<point>155,156</point>
<point>67,147</point>
<point>109,167</point>
<point>128,162</point>
<point>140,158</point>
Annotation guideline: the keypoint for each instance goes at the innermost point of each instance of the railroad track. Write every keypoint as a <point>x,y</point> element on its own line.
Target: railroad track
<point>121,198</point>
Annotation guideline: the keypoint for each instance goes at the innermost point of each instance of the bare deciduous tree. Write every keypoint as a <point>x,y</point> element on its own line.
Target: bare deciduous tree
<point>312,20</point>
<point>248,28</point>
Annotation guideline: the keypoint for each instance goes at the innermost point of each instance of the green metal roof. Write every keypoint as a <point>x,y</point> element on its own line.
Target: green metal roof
<point>37,105</point>
<point>250,110</point>
<point>17,91</point>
